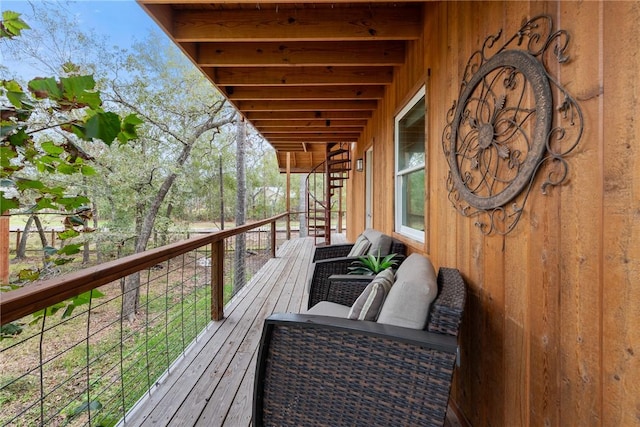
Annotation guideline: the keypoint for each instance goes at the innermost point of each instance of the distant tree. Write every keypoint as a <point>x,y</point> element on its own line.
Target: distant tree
<point>44,133</point>
<point>241,243</point>
<point>176,122</point>
<point>22,246</point>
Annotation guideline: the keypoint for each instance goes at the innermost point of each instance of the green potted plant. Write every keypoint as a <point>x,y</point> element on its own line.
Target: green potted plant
<point>372,264</point>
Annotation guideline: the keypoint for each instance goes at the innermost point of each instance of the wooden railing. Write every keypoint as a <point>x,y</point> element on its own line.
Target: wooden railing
<point>40,295</point>
<point>89,368</point>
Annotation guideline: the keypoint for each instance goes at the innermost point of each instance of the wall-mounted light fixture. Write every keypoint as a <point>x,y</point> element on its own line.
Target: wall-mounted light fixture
<point>359,164</point>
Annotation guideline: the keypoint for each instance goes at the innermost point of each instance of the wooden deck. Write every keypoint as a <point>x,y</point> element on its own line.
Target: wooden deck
<point>213,384</point>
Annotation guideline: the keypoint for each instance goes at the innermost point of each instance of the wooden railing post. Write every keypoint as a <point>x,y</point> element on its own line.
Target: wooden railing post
<point>288,198</point>
<point>4,250</point>
<point>217,280</point>
<point>273,239</point>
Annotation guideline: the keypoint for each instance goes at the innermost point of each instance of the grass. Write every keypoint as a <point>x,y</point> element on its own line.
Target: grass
<point>67,400</point>
<point>175,306</point>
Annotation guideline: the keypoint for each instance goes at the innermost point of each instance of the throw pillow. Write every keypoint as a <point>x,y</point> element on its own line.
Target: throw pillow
<point>381,247</point>
<point>409,301</point>
<point>368,304</point>
<point>360,247</point>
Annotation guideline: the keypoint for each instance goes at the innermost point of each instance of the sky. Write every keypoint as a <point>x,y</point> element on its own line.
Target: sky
<point>121,21</point>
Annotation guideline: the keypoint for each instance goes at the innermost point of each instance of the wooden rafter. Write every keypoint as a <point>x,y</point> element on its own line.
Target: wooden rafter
<point>305,74</point>
<point>276,25</point>
<point>321,54</point>
<point>310,76</point>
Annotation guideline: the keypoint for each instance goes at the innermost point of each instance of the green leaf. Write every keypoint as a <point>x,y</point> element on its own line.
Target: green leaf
<point>80,89</point>
<point>87,170</point>
<point>96,294</point>
<point>62,261</point>
<point>129,129</point>
<point>71,203</point>
<point>94,405</point>
<point>19,138</point>
<point>70,249</point>
<point>45,203</point>
<point>6,204</point>
<point>76,128</point>
<point>68,311</point>
<point>24,184</point>
<point>6,154</point>
<point>67,169</point>
<point>68,234</point>
<point>103,126</point>
<point>10,330</point>
<point>50,148</point>
<point>9,287</point>
<point>16,95</point>
<point>28,275</point>
<point>45,87</point>
<point>12,24</point>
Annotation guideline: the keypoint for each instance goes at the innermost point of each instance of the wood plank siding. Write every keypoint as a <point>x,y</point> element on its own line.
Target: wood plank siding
<point>551,334</point>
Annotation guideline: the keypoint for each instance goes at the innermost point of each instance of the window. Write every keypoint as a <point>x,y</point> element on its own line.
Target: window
<point>410,167</point>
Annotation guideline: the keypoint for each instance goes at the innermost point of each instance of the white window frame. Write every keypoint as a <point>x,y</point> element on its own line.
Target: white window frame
<point>418,235</point>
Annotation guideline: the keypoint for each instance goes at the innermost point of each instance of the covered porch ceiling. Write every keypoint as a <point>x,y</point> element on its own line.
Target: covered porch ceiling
<point>304,74</point>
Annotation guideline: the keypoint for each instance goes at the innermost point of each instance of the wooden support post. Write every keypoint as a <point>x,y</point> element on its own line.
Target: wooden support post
<point>4,248</point>
<point>340,213</point>
<point>217,280</point>
<point>273,239</point>
<point>288,199</point>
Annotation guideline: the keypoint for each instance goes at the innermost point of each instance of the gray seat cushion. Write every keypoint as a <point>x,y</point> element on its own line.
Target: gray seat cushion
<point>326,308</point>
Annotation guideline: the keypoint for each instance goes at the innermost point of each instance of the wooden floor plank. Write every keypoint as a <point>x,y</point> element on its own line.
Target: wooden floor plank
<point>291,296</point>
<point>220,350</point>
<point>212,385</point>
<point>162,404</point>
<point>222,398</point>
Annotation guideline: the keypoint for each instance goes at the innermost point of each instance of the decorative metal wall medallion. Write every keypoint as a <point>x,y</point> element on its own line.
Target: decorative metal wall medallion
<point>502,130</point>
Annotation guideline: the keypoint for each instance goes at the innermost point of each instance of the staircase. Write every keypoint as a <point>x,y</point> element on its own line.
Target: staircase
<point>325,181</point>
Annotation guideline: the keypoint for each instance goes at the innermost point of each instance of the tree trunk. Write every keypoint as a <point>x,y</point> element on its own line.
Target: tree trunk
<point>95,226</point>
<point>221,194</point>
<point>41,233</point>
<point>22,247</point>
<point>131,288</point>
<point>241,244</point>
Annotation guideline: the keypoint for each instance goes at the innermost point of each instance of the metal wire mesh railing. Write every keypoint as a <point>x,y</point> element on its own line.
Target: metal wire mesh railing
<point>86,360</point>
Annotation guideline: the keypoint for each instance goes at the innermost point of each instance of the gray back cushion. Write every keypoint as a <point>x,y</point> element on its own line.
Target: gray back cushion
<point>379,242</point>
<point>410,297</point>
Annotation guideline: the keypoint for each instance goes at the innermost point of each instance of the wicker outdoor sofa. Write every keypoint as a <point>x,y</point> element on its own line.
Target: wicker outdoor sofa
<point>336,259</point>
<point>318,370</point>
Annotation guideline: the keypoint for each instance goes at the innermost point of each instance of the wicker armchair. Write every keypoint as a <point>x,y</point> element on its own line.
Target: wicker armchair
<point>333,259</point>
<point>320,370</point>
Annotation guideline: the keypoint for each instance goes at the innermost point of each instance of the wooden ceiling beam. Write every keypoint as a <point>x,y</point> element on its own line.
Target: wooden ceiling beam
<point>308,115</point>
<point>253,2</point>
<point>306,105</point>
<point>310,76</point>
<point>241,93</point>
<point>319,137</point>
<point>304,129</point>
<point>325,124</point>
<point>293,24</point>
<point>264,54</point>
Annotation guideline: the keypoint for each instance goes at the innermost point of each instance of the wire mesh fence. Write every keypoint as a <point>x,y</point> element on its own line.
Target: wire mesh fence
<point>88,360</point>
